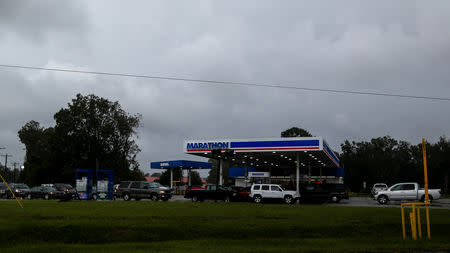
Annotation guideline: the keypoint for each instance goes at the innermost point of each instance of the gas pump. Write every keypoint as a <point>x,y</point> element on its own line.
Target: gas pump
<point>105,184</point>
<point>84,181</point>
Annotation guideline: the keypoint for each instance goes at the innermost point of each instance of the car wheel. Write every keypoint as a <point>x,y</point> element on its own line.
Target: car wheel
<point>94,196</point>
<point>257,199</point>
<point>288,199</point>
<point>335,198</point>
<point>28,196</point>
<point>226,199</point>
<point>430,198</point>
<point>154,197</point>
<point>383,199</point>
<point>194,199</point>
<point>46,196</point>
<point>126,197</point>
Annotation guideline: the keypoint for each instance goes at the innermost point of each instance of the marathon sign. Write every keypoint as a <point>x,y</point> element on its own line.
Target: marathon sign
<point>207,146</point>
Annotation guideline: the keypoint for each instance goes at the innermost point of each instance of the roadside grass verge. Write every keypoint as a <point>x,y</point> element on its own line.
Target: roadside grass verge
<point>44,226</point>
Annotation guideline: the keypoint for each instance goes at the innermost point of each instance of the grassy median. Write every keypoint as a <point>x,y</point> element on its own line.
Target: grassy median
<point>51,226</point>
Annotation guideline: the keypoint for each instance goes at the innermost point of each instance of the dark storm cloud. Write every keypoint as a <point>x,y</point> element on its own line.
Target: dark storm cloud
<point>398,47</point>
<point>36,19</point>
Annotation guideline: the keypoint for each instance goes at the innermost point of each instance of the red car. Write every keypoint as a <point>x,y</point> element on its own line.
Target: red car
<point>241,194</point>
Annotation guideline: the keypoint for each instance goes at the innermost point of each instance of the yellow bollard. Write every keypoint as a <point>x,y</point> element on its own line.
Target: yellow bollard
<point>428,222</point>
<point>419,225</point>
<point>413,229</point>
<point>403,222</point>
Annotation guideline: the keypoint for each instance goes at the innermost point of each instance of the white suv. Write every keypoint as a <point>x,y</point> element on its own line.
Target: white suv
<point>258,192</point>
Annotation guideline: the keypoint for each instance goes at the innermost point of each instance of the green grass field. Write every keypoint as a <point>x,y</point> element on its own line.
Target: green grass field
<point>51,226</point>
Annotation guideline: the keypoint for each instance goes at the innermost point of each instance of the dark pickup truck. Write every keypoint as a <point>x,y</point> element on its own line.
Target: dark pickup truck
<point>323,192</point>
<point>211,192</point>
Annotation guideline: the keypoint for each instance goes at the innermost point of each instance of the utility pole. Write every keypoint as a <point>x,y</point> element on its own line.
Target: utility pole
<point>6,160</point>
<point>14,171</point>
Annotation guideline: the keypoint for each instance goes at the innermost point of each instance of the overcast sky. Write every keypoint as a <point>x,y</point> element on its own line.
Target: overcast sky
<point>378,46</point>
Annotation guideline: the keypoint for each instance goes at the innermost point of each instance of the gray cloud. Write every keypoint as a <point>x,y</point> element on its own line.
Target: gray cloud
<point>398,47</point>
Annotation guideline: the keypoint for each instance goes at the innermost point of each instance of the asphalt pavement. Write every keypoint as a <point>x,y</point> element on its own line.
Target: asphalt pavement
<point>353,201</point>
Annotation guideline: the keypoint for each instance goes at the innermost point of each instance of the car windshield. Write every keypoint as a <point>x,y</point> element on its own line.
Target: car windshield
<point>68,186</point>
<point>155,185</point>
<point>48,188</point>
<point>21,186</point>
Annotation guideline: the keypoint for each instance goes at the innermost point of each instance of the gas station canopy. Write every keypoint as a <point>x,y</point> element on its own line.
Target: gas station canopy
<point>275,153</point>
<point>184,164</point>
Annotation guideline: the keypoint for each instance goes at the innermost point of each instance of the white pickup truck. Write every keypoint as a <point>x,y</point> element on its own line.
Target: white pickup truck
<point>406,191</point>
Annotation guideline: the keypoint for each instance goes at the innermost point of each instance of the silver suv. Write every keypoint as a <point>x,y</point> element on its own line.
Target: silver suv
<point>260,192</point>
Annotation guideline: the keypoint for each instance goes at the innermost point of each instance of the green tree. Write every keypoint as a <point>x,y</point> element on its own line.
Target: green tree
<point>164,179</point>
<point>295,132</point>
<point>92,132</point>
<point>39,162</point>
<point>156,174</point>
<point>195,178</point>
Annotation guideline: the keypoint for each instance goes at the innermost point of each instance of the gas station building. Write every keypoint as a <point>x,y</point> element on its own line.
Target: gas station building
<point>273,160</point>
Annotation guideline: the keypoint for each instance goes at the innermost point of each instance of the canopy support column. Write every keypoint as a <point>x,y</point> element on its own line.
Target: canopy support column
<point>297,176</point>
<point>189,177</point>
<point>171,178</point>
<point>309,172</point>
<point>220,171</point>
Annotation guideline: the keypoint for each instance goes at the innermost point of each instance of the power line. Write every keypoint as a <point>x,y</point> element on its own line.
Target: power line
<point>265,85</point>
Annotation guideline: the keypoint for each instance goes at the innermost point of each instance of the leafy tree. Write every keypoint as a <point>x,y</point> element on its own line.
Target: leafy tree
<point>195,178</point>
<point>164,179</point>
<point>295,132</point>
<point>91,133</point>
<point>156,174</point>
<point>39,162</point>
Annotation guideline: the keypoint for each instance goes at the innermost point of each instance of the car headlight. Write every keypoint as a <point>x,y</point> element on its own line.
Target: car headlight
<point>161,192</point>
<point>17,190</point>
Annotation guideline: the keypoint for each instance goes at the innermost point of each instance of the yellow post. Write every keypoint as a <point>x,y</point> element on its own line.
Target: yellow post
<point>414,221</point>
<point>20,204</point>
<point>419,225</point>
<point>425,169</point>
<point>425,178</point>
<point>428,222</point>
<point>403,222</point>
<point>411,219</point>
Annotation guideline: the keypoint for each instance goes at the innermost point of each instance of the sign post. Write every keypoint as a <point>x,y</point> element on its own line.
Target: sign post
<point>425,176</point>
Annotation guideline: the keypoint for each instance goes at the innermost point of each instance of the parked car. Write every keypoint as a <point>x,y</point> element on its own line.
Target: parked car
<point>20,190</point>
<point>193,187</point>
<point>323,192</point>
<point>3,190</point>
<point>378,187</point>
<point>406,191</point>
<point>262,192</point>
<point>44,192</point>
<point>211,192</point>
<point>241,194</point>
<point>143,190</point>
<point>65,188</point>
